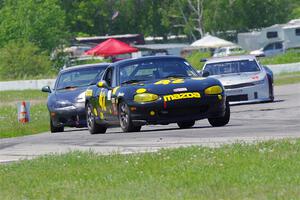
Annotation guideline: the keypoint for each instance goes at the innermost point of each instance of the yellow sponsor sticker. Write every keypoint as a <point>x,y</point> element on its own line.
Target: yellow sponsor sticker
<point>95,112</point>
<point>115,90</point>
<point>141,90</point>
<point>173,81</point>
<point>89,93</point>
<point>102,103</point>
<point>163,82</point>
<point>101,115</point>
<point>177,81</point>
<point>179,96</point>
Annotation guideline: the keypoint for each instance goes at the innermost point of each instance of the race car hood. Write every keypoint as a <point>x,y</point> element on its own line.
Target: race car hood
<point>233,79</point>
<point>71,95</point>
<point>172,85</point>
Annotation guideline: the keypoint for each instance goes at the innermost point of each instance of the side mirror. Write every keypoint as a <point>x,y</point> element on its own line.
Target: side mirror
<point>102,84</point>
<point>46,89</point>
<point>200,72</point>
<point>205,73</point>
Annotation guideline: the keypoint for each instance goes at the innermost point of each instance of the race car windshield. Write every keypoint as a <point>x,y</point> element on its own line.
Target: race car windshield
<point>155,69</point>
<point>232,67</point>
<point>77,78</point>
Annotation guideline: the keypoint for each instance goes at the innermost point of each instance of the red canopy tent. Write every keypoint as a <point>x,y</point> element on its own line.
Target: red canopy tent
<point>111,47</point>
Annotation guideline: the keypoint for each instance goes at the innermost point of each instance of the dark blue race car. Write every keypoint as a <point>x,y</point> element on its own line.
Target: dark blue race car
<point>66,102</point>
<point>154,90</point>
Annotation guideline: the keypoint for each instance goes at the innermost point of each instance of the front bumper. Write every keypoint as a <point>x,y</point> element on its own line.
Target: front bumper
<point>251,94</point>
<point>161,112</point>
<point>72,116</point>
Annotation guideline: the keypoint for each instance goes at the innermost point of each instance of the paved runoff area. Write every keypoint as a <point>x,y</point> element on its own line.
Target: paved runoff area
<point>249,123</point>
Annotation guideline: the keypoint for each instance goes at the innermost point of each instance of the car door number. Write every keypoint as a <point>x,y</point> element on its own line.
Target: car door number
<point>102,97</point>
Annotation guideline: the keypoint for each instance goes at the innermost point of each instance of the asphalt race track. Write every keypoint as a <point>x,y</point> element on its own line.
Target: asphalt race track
<point>255,122</point>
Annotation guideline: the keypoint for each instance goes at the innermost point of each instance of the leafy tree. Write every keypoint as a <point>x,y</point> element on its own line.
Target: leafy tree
<point>107,17</point>
<point>87,17</point>
<point>295,13</point>
<point>244,15</point>
<point>22,59</point>
<point>40,22</point>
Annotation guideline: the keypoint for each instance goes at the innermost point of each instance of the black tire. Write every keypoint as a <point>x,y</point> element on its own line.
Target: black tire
<point>187,124</point>
<point>271,88</point>
<point>55,129</point>
<point>93,127</point>
<point>125,119</point>
<point>221,121</point>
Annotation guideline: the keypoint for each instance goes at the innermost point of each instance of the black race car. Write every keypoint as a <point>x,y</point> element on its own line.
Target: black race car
<point>66,102</point>
<point>154,90</point>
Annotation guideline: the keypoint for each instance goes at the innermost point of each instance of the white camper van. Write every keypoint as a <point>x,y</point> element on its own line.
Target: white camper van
<point>272,40</point>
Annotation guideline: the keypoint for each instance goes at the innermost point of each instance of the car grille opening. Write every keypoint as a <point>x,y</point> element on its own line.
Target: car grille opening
<point>239,85</point>
<point>243,97</point>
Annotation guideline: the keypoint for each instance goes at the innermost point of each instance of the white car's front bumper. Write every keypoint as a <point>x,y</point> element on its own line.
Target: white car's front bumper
<point>248,93</point>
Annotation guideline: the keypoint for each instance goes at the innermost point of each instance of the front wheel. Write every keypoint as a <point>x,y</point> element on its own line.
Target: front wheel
<point>55,129</point>
<point>187,124</point>
<point>271,88</point>
<point>125,119</point>
<point>93,127</point>
<point>221,121</point>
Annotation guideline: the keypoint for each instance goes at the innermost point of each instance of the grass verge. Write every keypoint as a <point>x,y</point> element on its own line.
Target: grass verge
<point>39,117</point>
<point>291,56</point>
<point>262,171</point>
<point>287,78</point>
<point>10,127</point>
<point>23,95</point>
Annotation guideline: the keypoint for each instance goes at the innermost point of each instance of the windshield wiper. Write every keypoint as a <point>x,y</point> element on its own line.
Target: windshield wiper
<point>174,76</point>
<point>67,87</point>
<point>132,81</point>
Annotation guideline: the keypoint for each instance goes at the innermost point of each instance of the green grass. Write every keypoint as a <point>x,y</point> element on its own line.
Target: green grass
<point>26,95</point>
<point>261,171</point>
<point>39,116</point>
<point>291,56</point>
<point>287,78</point>
<point>10,127</point>
<point>195,57</point>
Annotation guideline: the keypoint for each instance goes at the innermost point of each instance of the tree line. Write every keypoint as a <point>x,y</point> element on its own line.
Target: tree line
<point>47,24</point>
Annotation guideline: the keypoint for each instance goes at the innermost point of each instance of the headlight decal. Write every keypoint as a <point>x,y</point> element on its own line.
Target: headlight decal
<point>216,89</point>
<point>145,97</point>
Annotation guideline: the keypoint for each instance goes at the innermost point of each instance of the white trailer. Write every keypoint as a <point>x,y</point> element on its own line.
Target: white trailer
<point>288,34</point>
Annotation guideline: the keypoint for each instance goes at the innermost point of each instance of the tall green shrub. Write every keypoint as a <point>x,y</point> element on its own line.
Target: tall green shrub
<point>39,21</point>
<point>23,60</point>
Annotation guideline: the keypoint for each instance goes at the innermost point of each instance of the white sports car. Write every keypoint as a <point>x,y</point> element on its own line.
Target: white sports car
<point>244,79</point>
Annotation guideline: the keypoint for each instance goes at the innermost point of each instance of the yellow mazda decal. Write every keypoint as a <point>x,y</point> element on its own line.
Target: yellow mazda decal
<point>186,95</point>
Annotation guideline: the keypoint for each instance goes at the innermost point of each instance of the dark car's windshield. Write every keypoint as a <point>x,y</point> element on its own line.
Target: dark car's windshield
<point>78,78</point>
<point>155,69</point>
<point>232,67</point>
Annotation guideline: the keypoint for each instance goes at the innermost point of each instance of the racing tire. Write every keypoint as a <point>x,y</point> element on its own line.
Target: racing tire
<point>93,127</point>
<point>55,129</point>
<point>221,121</point>
<point>271,89</point>
<point>125,119</point>
<point>187,124</point>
